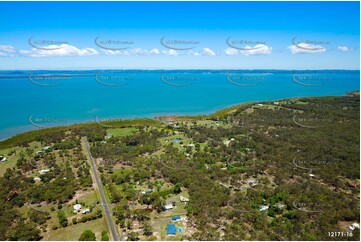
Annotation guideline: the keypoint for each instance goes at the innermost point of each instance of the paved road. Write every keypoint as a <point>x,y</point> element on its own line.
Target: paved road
<point>101,192</point>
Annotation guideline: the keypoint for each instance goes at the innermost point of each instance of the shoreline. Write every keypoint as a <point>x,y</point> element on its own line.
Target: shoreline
<point>157,120</point>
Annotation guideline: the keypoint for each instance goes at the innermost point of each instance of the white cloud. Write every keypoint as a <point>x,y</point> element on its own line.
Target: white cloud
<point>303,48</point>
<point>259,49</point>
<point>64,50</point>
<point>140,51</point>
<point>231,51</point>
<point>343,48</point>
<point>209,52</point>
<point>7,51</point>
<point>154,52</point>
<point>7,48</point>
<point>204,52</point>
<point>170,52</point>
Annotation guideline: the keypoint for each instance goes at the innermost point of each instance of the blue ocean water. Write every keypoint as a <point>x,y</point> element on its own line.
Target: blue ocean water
<point>35,99</point>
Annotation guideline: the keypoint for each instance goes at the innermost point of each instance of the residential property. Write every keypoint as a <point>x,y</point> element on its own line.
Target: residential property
<point>85,211</point>
<point>108,136</point>
<point>77,207</point>
<point>148,191</point>
<point>354,226</point>
<point>183,199</point>
<point>42,172</point>
<point>176,218</point>
<point>46,148</point>
<point>264,208</point>
<point>252,182</point>
<point>168,206</point>
<point>171,229</point>
<point>2,158</point>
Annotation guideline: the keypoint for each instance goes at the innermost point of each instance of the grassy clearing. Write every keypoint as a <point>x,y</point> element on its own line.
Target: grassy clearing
<point>73,232</point>
<point>122,131</point>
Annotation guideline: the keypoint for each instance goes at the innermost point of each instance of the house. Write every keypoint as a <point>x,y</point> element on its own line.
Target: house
<point>37,179</point>
<point>176,218</point>
<point>39,152</point>
<point>226,142</point>
<point>85,211</point>
<point>312,175</point>
<point>76,207</point>
<point>171,229</point>
<point>46,148</point>
<point>183,199</point>
<point>2,158</point>
<point>280,206</point>
<point>354,226</point>
<point>264,208</point>
<point>168,206</point>
<point>148,191</point>
<point>252,182</point>
<point>108,136</point>
<point>42,172</point>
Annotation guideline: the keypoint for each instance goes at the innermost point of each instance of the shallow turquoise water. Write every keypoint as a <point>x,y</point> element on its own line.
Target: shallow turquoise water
<point>31,100</point>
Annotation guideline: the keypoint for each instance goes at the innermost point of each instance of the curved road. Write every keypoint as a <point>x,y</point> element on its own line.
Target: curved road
<point>101,192</point>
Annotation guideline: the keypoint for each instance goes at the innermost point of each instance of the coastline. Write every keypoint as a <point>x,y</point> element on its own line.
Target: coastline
<point>155,120</point>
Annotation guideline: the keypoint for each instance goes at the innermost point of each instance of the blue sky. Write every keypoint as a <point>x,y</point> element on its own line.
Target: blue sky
<point>261,35</point>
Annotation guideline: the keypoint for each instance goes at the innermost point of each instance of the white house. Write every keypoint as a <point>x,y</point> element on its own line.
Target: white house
<point>168,206</point>
<point>183,199</point>
<point>77,207</point>
<point>87,210</point>
<point>46,148</point>
<point>354,226</point>
<point>2,158</point>
<point>264,208</point>
<point>43,171</point>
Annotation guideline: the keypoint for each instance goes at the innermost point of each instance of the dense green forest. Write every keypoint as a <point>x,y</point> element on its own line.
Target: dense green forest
<point>280,170</point>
